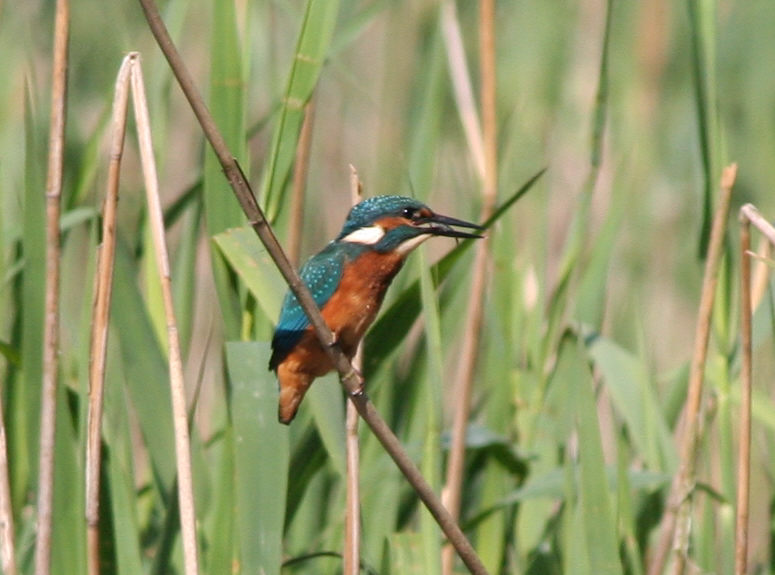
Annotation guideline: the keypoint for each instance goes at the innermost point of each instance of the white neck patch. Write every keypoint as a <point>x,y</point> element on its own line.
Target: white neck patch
<point>367,236</point>
<point>409,245</point>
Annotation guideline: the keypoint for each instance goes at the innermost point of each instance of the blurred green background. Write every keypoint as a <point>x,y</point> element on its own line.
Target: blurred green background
<point>610,251</point>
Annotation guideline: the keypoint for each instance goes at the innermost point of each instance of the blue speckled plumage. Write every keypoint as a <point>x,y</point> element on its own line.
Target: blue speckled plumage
<point>348,280</point>
<point>371,209</point>
<point>321,274</point>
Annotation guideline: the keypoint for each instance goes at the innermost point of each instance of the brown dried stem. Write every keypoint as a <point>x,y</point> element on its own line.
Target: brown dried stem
<point>177,387</point>
<point>100,317</point>
<point>461,84</point>
<point>744,455</point>
<point>6,512</point>
<point>301,167</point>
<point>349,378</point>
<point>53,248</point>
<point>473,322</point>
<point>748,215</point>
<point>676,524</point>
<point>352,525</point>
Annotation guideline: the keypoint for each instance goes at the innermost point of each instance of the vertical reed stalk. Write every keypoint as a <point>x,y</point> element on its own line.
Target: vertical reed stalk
<point>352,526</point>
<point>7,551</point>
<point>748,215</point>
<point>301,167</point>
<point>348,377</point>
<point>177,388</point>
<point>100,317</point>
<point>744,455</point>
<point>676,524</point>
<point>51,331</point>
<point>461,84</point>
<point>473,321</point>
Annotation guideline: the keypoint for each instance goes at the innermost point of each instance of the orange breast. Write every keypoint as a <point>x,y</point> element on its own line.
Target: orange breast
<point>355,304</point>
<point>348,313</point>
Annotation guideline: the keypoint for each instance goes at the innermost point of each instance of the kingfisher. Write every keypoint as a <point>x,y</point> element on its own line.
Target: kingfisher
<point>348,280</point>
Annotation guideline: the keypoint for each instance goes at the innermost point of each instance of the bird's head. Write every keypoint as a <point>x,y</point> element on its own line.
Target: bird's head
<point>398,224</point>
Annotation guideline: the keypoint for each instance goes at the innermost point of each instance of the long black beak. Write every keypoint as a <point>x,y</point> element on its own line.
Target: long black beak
<point>439,225</point>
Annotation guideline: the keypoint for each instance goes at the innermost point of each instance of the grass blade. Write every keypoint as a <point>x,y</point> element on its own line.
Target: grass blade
<point>313,43</point>
<point>260,458</point>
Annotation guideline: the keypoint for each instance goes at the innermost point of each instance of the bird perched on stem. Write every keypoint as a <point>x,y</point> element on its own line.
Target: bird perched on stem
<point>348,280</point>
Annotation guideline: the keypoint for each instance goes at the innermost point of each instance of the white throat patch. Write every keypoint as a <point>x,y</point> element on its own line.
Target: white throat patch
<point>409,245</point>
<point>368,236</point>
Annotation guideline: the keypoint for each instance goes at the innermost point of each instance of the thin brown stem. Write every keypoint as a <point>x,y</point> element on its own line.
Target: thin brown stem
<point>301,167</point>
<point>53,248</point>
<point>760,277</point>
<point>744,455</point>
<point>349,378</point>
<point>473,322</point>
<point>748,215</point>
<point>352,525</point>
<point>177,386</point>
<point>100,317</point>
<point>676,523</point>
<point>461,84</point>
<point>6,512</point>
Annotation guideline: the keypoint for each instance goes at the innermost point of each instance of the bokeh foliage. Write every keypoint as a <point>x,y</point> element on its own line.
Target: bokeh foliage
<point>589,313</point>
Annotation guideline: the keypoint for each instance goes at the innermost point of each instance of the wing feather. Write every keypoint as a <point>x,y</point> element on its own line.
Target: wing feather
<point>321,274</point>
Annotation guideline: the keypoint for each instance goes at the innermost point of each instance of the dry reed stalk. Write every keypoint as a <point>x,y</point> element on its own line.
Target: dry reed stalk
<point>53,248</point>
<point>461,84</point>
<point>177,387</point>
<point>473,322</point>
<point>748,215</point>
<point>101,315</point>
<point>760,281</point>
<point>352,525</point>
<point>348,377</point>
<point>7,550</point>
<point>744,454</point>
<point>676,523</point>
<point>300,170</point>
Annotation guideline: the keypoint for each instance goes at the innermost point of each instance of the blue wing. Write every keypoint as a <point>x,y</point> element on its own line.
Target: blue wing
<point>322,274</point>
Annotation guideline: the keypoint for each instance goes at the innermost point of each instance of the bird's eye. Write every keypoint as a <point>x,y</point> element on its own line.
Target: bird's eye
<point>411,213</point>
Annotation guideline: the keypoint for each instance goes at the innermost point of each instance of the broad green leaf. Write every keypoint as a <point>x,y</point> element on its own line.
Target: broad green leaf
<point>247,257</point>
<point>406,554</point>
<point>594,494</point>
<point>314,39</point>
<point>325,400</point>
<point>227,96</point>
<point>632,392</point>
<point>68,535</point>
<point>126,530</point>
<point>702,26</point>
<point>145,368</point>
<point>221,553</point>
<point>32,297</point>
<point>260,458</point>
<point>388,331</point>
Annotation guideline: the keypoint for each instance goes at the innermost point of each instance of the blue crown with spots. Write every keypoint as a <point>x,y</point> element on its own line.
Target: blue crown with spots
<point>372,209</point>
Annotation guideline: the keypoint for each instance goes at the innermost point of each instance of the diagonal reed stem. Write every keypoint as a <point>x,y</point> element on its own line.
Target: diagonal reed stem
<point>100,318</point>
<point>676,524</point>
<point>475,311</point>
<point>352,520</point>
<point>7,551</point>
<point>301,167</point>
<point>744,454</point>
<point>48,407</point>
<point>748,215</point>
<point>177,387</point>
<point>348,377</point>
